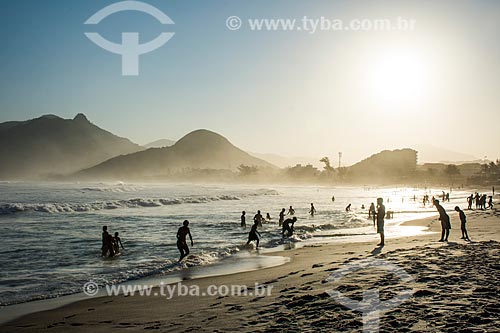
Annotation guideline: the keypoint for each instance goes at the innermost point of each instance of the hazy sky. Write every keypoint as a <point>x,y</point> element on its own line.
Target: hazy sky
<point>290,93</point>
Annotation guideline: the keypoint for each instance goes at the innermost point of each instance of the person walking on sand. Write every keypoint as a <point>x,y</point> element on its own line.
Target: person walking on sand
<point>445,221</point>
<point>288,226</point>
<point>282,217</point>
<point>372,213</point>
<point>380,220</point>
<point>254,235</point>
<point>243,219</point>
<point>291,211</point>
<point>463,220</point>
<point>181,240</point>
<point>490,202</point>
<point>312,211</point>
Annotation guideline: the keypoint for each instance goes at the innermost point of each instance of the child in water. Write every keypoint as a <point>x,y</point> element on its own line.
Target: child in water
<point>117,242</point>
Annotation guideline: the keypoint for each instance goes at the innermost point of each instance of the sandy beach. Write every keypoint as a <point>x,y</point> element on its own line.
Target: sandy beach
<point>455,289</point>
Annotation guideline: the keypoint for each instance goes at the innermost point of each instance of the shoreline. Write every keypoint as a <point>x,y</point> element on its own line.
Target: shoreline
<point>241,262</point>
<point>300,278</point>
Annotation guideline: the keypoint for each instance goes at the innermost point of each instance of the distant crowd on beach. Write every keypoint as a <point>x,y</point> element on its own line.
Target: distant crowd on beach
<point>111,244</point>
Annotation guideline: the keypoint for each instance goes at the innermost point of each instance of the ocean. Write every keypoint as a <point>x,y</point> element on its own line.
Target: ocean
<point>50,233</point>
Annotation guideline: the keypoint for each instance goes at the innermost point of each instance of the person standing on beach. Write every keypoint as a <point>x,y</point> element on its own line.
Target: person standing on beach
<point>181,240</point>
<point>380,220</point>
<point>243,219</point>
<point>254,235</point>
<point>463,220</point>
<point>445,221</point>
<point>312,211</point>
<point>372,213</point>
<point>470,199</point>
<point>282,217</point>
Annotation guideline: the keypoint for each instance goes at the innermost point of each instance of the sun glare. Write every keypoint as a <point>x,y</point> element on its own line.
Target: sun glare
<point>396,77</point>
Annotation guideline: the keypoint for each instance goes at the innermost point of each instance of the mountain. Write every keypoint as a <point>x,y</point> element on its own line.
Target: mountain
<point>201,149</point>
<point>160,143</point>
<point>431,154</point>
<point>50,145</point>
<point>386,165</point>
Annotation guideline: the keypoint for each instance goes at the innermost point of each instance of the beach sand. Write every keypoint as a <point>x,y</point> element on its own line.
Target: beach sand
<point>455,289</point>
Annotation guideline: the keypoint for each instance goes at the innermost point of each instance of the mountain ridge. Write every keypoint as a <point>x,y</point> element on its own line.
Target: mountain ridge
<point>50,145</point>
<point>199,149</point>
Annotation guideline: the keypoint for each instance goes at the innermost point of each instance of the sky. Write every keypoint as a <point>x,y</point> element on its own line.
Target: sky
<point>292,93</point>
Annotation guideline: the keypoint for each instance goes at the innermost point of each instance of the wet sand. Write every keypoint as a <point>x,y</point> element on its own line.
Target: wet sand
<point>455,289</point>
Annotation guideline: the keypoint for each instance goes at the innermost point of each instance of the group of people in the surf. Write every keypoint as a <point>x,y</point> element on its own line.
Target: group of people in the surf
<point>286,224</point>
<point>110,244</point>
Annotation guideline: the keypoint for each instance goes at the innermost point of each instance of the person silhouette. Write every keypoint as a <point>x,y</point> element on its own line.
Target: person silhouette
<point>288,226</point>
<point>291,211</point>
<point>181,240</point>
<point>107,243</point>
<point>372,213</point>
<point>312,211</point>
<point>282,217</point>
<point>470,199</point>
<point>243,219</point>
<point>258,218</point>
<point>445,221</point>
<point>380,220</point>
<point>117,242</point>
<point>348,208</point>
<point>254,235</point>
<point>463,220</point>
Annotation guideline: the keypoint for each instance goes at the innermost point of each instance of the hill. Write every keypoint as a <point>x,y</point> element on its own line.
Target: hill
<point>50,145</point>
<point>201,149</point>
<point>386,165</point>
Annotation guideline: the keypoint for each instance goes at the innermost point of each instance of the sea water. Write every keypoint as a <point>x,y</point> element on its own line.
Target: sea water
<point>50,233</point>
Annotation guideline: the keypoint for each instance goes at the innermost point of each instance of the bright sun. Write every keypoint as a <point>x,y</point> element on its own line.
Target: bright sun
<point>398,76</point>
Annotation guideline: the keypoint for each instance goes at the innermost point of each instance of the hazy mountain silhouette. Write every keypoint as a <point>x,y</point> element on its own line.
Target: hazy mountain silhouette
<point>201,149</point>
<point>160,143</point>
<point>388,164</point>
<point>50,145</point>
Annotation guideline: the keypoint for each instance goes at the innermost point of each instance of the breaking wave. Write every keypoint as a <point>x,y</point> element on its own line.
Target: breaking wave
<point>12,208</point>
